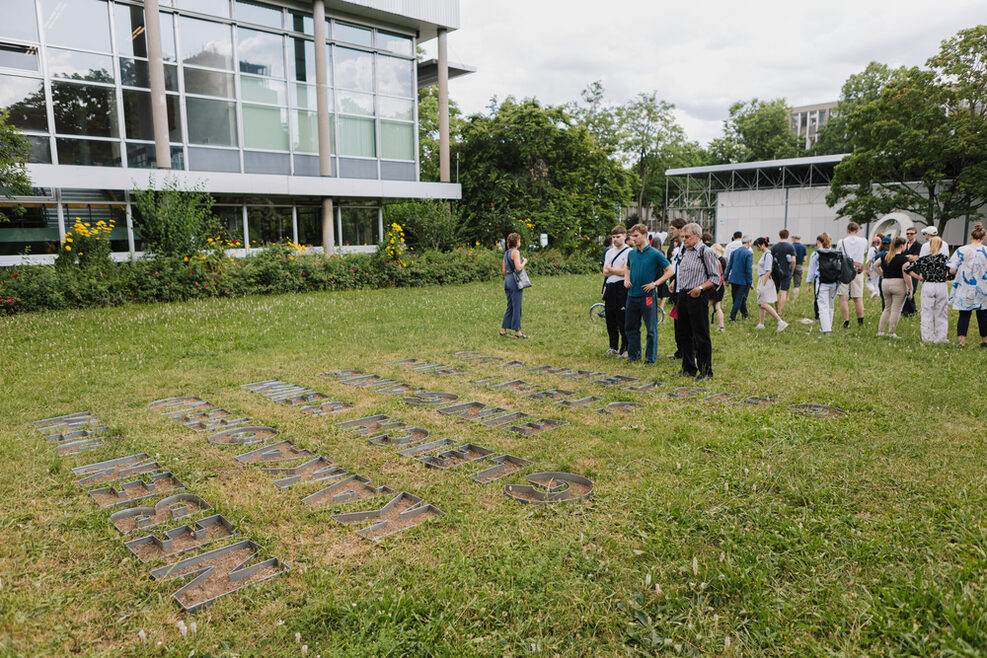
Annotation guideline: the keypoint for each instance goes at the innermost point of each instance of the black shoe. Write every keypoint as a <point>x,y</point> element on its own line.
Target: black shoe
<point>686,373</point>
<point>703,377</point>
<point>860,321</point>
<point>846,324</point>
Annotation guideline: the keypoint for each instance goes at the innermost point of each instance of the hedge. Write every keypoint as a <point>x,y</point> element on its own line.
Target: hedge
<point>278,269</point>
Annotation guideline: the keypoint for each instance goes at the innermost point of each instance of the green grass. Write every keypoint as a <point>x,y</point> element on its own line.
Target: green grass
<point>711,530</point>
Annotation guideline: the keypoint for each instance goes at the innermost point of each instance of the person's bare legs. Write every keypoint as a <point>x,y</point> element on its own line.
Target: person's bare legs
<point>845,307</point>
<point>768,308</point>
<point>795,294</point>
<point>782,298</point>
<point>859,301</point>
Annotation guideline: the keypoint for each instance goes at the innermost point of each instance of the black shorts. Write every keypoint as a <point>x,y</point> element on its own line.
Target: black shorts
<point>785,283</point>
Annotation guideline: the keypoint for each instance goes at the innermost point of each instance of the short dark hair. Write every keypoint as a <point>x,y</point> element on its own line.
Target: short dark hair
<point>737,235</point>
<point>618,230</point>
<point>678,222</point>
<point>707,236</point>
<point>783,234</point>
<point>639,228</point>
<point>852,227</point>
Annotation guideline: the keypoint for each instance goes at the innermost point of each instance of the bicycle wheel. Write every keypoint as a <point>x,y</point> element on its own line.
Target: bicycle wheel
<point>597,312</point>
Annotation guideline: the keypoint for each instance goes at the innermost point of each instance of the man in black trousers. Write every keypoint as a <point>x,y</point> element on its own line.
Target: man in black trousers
<point>697,276</point>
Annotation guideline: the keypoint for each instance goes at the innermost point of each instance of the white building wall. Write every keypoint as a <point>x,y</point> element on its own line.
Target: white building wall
<point>762,213</point>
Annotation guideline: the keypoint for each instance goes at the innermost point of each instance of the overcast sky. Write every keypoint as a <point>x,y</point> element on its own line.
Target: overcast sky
<point>700,55</point>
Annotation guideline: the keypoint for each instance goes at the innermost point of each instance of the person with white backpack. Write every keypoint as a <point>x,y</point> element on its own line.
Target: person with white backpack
<point>824,271</point>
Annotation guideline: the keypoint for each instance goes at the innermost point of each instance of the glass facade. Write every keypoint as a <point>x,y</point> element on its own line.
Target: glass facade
<point>240,84</point>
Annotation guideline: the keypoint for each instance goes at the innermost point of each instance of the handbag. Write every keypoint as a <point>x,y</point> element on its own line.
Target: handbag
<point>520,278</point>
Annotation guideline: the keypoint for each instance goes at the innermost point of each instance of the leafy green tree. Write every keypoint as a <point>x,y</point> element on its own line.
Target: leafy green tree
<point>648,133</point>
<point>173,221</point>
<point>921,146</point>
<point>539,170</point>
<point>14,151</point>
<point>756,130</point>
<point>427,224</point>
<point>601,120</point>
<point>859,88</point>
<point>672,156</point>
<point>428,131</point>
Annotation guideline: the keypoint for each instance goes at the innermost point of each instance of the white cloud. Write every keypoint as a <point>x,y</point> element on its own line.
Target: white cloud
<point>701,55</point>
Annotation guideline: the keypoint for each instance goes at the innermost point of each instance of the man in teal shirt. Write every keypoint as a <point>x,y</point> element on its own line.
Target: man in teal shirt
<point>647,268</point>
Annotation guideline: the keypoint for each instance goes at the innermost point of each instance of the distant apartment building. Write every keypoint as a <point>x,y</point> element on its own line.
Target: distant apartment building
<point>808,120</point>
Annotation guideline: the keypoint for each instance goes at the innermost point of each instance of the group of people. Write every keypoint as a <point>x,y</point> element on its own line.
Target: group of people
<point>692,273</point>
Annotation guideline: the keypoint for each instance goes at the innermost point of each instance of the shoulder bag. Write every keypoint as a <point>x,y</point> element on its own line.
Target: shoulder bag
<point>520,278</point>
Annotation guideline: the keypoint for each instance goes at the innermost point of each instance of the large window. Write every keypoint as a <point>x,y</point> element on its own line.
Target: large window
<point>82,24</point>
<point>20,21</point>
<point>211,122</point>
<point>268,224</point>
<point>359,226</point>
<point>28,228</point>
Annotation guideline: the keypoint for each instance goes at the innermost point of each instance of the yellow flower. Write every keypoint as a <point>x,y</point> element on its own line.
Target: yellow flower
<point>186,259</point>
<point>68,239</point>
<point>68,248</point>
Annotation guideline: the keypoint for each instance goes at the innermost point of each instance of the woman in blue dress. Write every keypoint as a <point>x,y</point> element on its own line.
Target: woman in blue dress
<point>969,293</point>
<point>512,263</point>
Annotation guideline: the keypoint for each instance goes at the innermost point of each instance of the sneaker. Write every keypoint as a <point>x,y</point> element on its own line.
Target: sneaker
<point>881,334</point>
<point>610,352</point>
<point>675,355</point>
<point>894,336</point>
<point>721,328</point>
<point>846,324</point>
<point>622,355</point>
<point>860,322</point>
<point>704,377</point>
<point>760,326</point>
<point>782,325</point>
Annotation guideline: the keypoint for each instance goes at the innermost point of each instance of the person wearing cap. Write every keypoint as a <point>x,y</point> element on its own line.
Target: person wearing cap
<point>800,252</point>
<point>931,232</point>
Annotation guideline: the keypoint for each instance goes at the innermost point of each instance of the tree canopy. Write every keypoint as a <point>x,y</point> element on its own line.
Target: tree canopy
<point>921,144</point>
<point>14,151</point>
<point>535,169</point>
<point>756,130</point>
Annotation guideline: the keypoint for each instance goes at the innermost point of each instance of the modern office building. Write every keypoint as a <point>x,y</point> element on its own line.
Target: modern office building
<point>808,120</point>
<point>299,116</point>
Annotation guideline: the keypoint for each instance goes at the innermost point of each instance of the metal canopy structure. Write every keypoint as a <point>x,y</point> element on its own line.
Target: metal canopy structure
<point>691,192</point>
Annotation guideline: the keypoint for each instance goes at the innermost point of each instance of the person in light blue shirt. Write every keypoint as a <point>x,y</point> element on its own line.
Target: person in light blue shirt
<point>647,268</point>
<point>739,274</point>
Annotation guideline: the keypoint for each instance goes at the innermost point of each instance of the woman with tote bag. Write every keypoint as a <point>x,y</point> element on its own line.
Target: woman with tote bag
<point>515,281</point>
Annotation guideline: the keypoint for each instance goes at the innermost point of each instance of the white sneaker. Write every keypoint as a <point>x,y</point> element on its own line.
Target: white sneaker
<point>782,325</point>
<point>610,352</point>
<point>623,355</point>
<point>760,326</point>
<point>880,334</point>
<point>894,336</point>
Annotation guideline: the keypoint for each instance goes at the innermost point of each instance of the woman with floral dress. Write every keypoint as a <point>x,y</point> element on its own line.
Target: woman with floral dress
<point>969,293</point>
<point>933,271</point>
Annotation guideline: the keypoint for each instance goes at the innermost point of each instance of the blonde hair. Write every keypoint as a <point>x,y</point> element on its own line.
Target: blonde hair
<point>718,248</point>
<point>935,244</point>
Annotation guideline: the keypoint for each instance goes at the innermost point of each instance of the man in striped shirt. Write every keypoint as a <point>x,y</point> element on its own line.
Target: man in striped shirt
<point>697,275</point>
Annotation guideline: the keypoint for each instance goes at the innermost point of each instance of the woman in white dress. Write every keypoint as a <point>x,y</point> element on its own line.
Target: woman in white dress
<point>767,293</point>
<point>969,293</point>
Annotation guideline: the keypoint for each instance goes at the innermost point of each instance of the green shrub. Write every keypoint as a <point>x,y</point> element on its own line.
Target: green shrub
<point>281,268</point>
<point>175,222</point>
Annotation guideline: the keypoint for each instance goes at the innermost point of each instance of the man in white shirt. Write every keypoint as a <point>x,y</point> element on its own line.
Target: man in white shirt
<point>733,246</point>
<point>930,232</point>
<point>614,293</point>
<point>855,247</point>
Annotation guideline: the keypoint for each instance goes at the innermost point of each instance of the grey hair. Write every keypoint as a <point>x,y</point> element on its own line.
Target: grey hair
<point>693,228</point>
<point>745,239</point>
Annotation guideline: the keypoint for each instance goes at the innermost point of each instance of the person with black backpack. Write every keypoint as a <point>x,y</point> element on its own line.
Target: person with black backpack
<point>825,265</point>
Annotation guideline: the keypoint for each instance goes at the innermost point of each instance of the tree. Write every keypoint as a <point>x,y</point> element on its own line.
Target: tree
<point>601,120</point>
<point>536,169</point>
<point>921,146</point>
<point>859,88</point>
<point>647,132</point>
<point>175,222</point>
<point>428,131</point>
<point>14,150</point>
<point>756,130</point>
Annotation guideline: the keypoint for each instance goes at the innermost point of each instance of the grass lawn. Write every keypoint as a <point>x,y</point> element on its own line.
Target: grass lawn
<point>712,529</point>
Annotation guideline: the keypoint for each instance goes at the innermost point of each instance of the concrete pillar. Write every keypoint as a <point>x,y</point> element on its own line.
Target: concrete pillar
<point>444,169</point>
<point>159,103</point>
<point>328,227</point>
<point>322,106</point>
